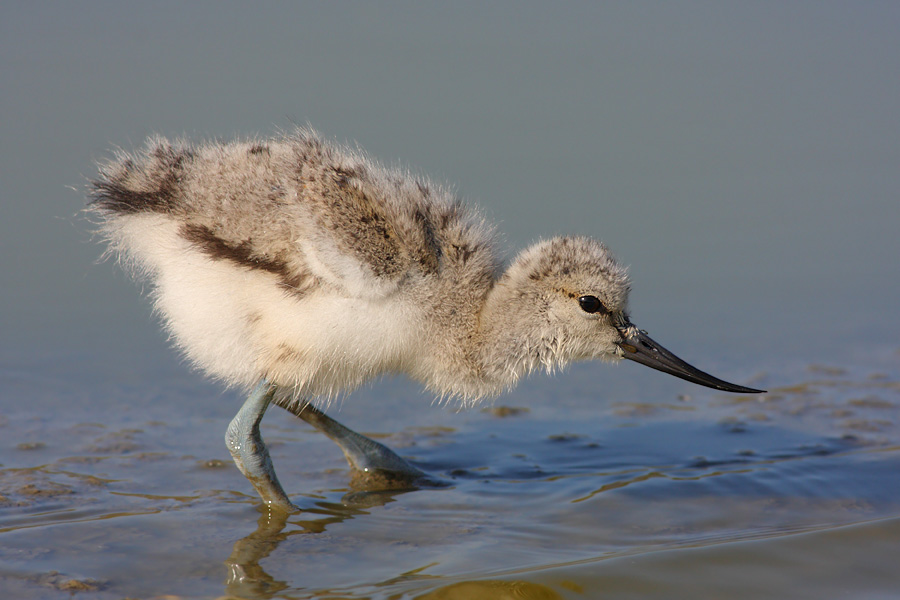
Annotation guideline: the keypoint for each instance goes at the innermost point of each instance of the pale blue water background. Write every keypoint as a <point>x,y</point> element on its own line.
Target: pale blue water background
<point>744,159</point>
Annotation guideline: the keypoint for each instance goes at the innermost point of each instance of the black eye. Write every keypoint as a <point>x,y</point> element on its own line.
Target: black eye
<point>590,304</point>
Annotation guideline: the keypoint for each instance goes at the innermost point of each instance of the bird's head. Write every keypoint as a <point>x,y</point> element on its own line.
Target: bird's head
<point>567,299</point>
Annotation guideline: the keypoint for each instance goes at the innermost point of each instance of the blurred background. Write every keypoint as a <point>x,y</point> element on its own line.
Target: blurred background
<point>741,157</point>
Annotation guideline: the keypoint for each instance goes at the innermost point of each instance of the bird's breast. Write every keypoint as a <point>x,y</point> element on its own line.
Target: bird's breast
<point>330,343</point>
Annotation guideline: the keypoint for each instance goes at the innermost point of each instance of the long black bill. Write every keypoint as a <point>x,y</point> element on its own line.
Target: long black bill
<point>640,347</point>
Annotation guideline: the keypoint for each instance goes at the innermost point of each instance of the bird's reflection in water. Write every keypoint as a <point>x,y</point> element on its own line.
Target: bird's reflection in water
<point>247,579</point>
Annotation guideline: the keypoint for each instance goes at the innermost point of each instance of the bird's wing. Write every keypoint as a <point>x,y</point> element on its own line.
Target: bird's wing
<point>366,227</point>
<point>308,212</point>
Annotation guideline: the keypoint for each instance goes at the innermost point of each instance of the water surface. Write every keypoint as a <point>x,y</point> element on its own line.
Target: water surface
<point>562,494</point>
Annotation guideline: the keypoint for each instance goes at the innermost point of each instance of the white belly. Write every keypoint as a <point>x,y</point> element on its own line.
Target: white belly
<point>239,325</point>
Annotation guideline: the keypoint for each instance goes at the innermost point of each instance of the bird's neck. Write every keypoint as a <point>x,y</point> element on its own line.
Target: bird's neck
<point>489,339</point>
<point>512,338</point>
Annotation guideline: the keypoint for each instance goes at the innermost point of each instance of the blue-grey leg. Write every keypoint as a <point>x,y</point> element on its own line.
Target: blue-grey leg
<point>363,454</point>
<point>249,451</point>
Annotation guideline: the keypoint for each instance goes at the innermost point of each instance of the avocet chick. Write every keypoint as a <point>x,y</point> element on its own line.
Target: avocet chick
<point>298,269</point>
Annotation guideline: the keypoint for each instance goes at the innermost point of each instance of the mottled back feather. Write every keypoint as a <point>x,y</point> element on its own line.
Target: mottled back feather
<point>309,212</point>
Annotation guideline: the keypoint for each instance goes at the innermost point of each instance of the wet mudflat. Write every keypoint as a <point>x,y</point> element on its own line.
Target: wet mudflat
<point>555,491</point>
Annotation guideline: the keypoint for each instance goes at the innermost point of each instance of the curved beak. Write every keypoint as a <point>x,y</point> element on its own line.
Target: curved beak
<point>640,347</point>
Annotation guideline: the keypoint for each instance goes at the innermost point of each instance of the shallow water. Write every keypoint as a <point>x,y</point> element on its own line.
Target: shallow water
<point>741,158</point>
<point>561,494</point>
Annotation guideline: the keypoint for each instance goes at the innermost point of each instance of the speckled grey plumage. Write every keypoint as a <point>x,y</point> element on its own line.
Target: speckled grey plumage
<point>308,264</point>
<point>300,269</point>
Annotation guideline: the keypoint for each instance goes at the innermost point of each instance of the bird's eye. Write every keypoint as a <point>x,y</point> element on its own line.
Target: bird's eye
<point>591,304</point>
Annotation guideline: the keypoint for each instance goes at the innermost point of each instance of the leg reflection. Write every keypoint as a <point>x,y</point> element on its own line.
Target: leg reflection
<point>246,578</point>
